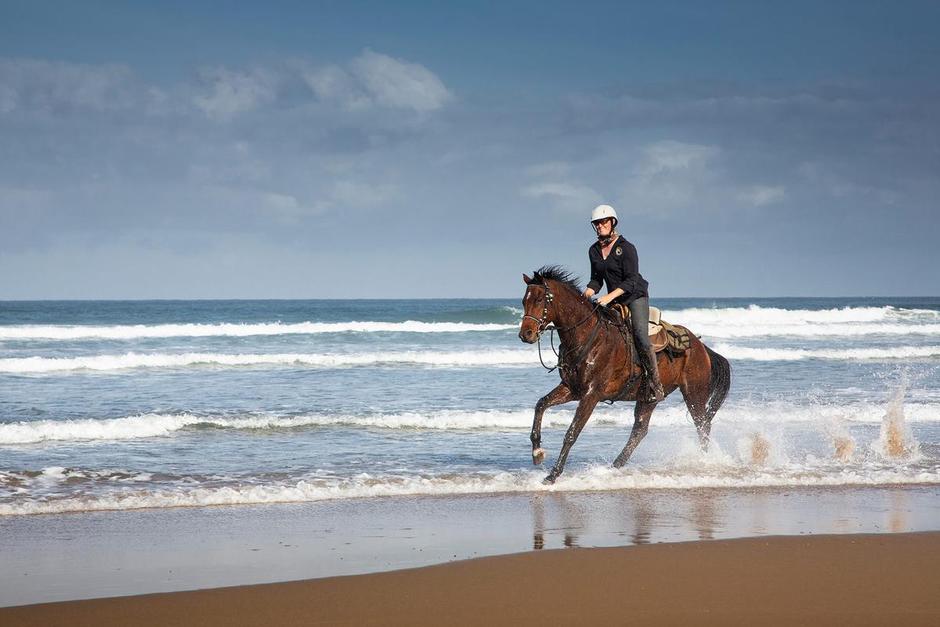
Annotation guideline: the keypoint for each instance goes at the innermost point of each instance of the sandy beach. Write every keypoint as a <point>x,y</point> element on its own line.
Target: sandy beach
<point>849,579</point>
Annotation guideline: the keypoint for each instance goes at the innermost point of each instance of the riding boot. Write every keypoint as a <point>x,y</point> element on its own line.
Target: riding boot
<point>652,375</point>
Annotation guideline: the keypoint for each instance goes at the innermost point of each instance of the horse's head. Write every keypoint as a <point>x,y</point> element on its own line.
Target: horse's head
<point>537,309</point>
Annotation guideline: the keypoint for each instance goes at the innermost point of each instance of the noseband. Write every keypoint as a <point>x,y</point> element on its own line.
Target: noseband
<point>542,323</point>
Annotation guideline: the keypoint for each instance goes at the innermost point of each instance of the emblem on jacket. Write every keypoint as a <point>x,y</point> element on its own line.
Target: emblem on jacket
<point>618,251</point>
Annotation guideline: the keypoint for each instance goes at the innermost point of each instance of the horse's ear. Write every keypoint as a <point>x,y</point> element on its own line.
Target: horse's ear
<point>528,280</point>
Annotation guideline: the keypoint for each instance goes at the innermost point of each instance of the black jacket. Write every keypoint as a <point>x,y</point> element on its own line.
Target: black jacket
<point>620,269</point>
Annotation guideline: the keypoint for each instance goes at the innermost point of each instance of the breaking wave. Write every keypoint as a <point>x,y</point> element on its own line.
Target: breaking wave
<point>128,332</point>
<point>160,425</point>
<point>723,322</point>
<point>326,360</point>
<point>756,321</point>
<point>187,492</point>
<point>795,354</point>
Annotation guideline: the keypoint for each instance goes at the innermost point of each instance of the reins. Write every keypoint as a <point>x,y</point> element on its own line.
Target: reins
<point>544,325</point>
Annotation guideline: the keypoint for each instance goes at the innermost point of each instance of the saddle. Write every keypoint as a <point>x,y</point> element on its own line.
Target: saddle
<point>663,336</point>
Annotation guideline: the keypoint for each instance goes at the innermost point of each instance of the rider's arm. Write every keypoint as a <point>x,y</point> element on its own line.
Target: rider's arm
<point>631,268</point>
<point>609,296</point>
<point>597,274</point>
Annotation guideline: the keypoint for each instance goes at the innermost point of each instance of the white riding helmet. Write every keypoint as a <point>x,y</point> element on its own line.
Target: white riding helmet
<point>604,211</point>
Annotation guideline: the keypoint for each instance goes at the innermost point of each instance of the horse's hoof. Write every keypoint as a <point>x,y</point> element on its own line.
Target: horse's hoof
<point>549,480</point>
<point>538,456</point>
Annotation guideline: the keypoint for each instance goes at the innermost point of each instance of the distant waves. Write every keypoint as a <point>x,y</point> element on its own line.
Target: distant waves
<point>722,323</point>
<point>139,331</point>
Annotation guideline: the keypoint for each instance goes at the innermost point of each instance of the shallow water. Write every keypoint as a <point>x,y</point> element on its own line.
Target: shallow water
<point>128,405</point>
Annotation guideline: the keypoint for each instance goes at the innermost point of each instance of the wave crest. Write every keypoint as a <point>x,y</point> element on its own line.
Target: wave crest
<point>161,425</point>
<point>326,360</point>
<point>138,331</point>
<point>364,485</point>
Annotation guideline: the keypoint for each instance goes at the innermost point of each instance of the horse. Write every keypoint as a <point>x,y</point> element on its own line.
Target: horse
<point>596,363</point>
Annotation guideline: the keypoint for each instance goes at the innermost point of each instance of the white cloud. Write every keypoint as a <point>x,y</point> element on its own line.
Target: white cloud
<point>397,83</point>
<point>361,195</point>
<point>568,196</point>
<point>671,176</point>
<point>374,79</point>
<point>550,169</point>
<point>46,86</point>
<point>230,92</point>
<point>760,195</point>
<point>671,157</point>
<point>334,84</point>
<point>286,208</point>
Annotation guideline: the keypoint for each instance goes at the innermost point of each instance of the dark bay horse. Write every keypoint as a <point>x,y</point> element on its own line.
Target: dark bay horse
<point>597,364</point>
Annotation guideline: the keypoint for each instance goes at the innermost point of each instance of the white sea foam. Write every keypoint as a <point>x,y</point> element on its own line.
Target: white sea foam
<point>849,354</point>
<point>756,321</point>
<point>516,357</point>
<point>724,322</point>
<point>755,314</point>
<point>489,357</point>
<point>160,425</point>
<point>309,489</point>
<point>126,332</point>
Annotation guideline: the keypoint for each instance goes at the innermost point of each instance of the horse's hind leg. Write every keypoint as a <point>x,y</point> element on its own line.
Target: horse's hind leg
<point>641,424</point>
<point>561,394</point>
<point>696,399</point>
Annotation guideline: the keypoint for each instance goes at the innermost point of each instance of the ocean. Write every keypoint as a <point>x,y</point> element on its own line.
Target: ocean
<point>117,406</point>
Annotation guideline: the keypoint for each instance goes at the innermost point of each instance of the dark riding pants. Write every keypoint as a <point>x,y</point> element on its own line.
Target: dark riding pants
<point>640,316</point>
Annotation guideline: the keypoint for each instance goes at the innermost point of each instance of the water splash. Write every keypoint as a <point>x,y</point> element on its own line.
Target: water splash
<point>755,449</point>
<point>896,440</point>
<point>844,448</point>
<point>843,444</point>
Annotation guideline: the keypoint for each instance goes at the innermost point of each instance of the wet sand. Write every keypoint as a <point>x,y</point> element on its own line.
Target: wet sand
<point>848,579</point>
<point>108,554</point>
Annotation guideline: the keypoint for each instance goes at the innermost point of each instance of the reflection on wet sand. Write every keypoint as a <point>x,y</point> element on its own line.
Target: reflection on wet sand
<point>644,519</point>
<point>571,520</point>
<point>897,516</point>
<point>705,506</point>
<point>651,516</point>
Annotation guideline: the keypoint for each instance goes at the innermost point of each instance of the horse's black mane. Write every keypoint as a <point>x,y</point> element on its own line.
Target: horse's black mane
<point>557,273</point>
<point>563,276</point>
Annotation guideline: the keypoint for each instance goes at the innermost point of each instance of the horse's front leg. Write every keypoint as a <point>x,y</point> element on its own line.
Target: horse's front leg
<point>585,409</point>
<point>561,394</point>
<point>641,424</point>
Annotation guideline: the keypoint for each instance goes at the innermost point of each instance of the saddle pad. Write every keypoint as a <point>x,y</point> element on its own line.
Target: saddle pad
<point>678,339</point>
<point>662,334</point>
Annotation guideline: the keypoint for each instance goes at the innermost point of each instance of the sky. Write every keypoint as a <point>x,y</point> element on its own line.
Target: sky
<point>429,150</point>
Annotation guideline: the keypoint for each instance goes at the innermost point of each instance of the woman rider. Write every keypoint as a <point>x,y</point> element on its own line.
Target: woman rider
<point>614,262</point>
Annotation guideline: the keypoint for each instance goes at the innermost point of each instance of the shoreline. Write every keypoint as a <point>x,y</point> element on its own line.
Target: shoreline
<point>52,558</point>
<point>866,579</point>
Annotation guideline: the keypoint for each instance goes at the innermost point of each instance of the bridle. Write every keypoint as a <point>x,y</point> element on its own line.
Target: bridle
<point>543,325</point>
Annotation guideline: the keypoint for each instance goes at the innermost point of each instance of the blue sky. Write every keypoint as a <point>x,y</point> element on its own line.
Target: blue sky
<point>347,150</point>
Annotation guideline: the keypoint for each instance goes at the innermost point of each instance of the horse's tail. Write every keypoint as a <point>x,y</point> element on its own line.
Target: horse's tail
<point>719,383</point>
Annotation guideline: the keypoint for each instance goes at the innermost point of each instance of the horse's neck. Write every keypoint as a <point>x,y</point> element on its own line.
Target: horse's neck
<point>573,319</point>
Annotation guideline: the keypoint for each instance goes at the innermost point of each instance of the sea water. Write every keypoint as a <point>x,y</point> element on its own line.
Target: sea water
<point>109,405</point>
